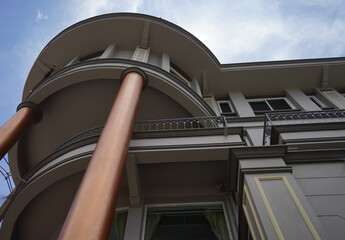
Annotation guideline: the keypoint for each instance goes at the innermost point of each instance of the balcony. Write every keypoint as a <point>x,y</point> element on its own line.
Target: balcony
<point>164,127</point>
<point>276,123</point>
<point>194,126</point>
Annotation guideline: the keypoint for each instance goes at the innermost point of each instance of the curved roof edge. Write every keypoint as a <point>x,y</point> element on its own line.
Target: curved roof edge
<point>283,63</point>
<point>221,66</point>
<point>138,16</point>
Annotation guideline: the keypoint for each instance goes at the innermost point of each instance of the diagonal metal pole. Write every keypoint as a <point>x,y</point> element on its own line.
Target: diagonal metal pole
<point>92,210</point>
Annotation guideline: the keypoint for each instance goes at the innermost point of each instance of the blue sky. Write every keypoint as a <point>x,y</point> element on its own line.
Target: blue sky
<point>235,31</point>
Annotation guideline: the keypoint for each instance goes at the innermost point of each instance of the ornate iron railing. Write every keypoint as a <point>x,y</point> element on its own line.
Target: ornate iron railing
<point>288,118</point>
<point>180,124</point>
<point>177,124</point>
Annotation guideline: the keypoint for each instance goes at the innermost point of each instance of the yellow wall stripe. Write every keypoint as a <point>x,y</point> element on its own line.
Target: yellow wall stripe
<point>294,197</point>
<point>246,196</point>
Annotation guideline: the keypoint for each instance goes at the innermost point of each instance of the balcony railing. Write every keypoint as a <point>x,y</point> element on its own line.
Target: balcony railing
<point>6,174</point>
<point>289,118</point>
<point>180,124</point>
<point>163,125</point>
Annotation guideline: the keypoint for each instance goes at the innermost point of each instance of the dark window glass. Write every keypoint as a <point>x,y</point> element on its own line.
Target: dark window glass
<point>195,219</point>
<point>224,106</point>
<point>177,72</point>
<point>91,56</point>
<point>279,104</point>
<point>259,106</point>
<point>317,103</point>
<point>182,219</point>
<point>172,220</point>
<point>184,227</point>
<point>192,222</point>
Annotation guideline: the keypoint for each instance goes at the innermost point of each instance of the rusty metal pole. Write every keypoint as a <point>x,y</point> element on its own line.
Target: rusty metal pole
<point>27,113</point>
<point>93,207</point>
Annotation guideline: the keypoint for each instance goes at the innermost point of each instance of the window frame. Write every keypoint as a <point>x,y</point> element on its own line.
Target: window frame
<point>193,204</point>
<point>92,56</point>
<point>318,102</point>
<point>174,72</point>
<point>230,106</point>
<point>293,108</point>
<point>180,74</point>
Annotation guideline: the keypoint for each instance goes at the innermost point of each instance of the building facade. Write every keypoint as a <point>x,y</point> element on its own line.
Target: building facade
<point>218,151</point>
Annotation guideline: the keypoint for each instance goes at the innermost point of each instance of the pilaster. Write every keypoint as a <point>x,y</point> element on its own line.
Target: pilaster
<point>270,200</point>
<point>275,208</point>
<point>134,223</point>
<point>301,101</point>
<point>241,104</point>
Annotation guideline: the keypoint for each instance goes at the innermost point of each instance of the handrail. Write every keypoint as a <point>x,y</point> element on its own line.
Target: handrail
<point>305,117</point>
<point>176,124</point>
<point>180,124</point>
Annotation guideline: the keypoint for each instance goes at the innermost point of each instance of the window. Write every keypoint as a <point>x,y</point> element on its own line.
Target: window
<point>225,107</point>
<point>278,104</point>
<point>271,104</point>
<point>118,226</point>
<point>260,106</point>
<point>318,102</point>
<point>192,222</point>
<point>92,56</point>
<point>177,72</point>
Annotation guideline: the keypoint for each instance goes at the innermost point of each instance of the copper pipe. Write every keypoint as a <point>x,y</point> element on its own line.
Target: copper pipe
<point>92,210</point>
<point>15,127</point>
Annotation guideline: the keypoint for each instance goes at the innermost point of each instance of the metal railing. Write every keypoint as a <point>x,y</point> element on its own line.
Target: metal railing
<point>288,118</point>
<point>181,124</point>
<point>5,172</point>
<point>88,133</point>
<point>177,124</point>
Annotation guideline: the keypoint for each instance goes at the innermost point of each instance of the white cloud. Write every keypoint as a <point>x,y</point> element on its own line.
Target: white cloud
<point>230,30</point>
<point>241,31</point>
<point>134,5</point>
<point>321,3</point>
<point>89,8</point>
<point>237,31</point>
<point>40,15</point>
<point>82,9</point>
